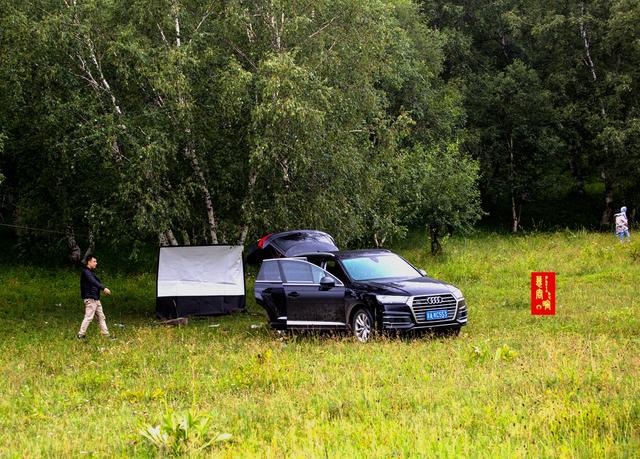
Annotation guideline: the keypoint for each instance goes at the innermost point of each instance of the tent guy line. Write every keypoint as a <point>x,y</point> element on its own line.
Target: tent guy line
<point>32,229</point>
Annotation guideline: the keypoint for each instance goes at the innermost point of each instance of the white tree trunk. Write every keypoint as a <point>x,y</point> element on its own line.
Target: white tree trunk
<point>514,215</point>
<point>202,184</point>
<point>191,155</point>
<point>91,247</point>
<point>587,48</point>
<point>378,242</point>
<point>607,212</point>
<point>172,239</point>
<point>515,218</point>
<point>72,244</point>
<point>163,240</point>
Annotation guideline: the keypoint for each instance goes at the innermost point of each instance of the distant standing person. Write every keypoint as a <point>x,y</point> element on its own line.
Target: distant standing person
<point>622,225</point>
<point>90,288</point>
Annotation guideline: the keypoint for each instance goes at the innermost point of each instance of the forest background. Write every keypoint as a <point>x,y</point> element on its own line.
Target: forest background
<point>219,121</point>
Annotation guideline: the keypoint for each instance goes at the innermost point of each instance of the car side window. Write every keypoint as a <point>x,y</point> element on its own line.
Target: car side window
<point>297,271</point>
<point>269,272</point>
<point>304,272</point>
<point>318,273</point>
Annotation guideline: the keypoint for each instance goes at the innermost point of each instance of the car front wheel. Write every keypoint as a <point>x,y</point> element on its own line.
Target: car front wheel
<point>362,325</point>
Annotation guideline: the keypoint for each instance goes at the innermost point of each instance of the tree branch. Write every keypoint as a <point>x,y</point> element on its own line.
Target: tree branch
<point>587,51</point>
<point>239,51</point>
<point>208,12</point>
<point>100,83</point>
<point>326,24</point>
<point>162,35</point>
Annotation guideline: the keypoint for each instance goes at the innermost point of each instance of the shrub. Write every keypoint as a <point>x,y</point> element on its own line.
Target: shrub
<point>179,434</point>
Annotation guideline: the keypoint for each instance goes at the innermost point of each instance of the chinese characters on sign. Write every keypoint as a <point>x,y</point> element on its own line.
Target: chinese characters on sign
<point>543,294</point>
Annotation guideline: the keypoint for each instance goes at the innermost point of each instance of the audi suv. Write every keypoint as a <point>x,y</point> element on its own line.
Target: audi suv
<point>362,291</point>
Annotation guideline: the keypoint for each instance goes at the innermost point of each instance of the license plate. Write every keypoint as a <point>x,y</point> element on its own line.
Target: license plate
<point>438,314</point>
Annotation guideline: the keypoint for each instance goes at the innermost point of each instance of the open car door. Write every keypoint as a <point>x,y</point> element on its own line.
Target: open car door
<point>314,298</point>
<point>299,294</point>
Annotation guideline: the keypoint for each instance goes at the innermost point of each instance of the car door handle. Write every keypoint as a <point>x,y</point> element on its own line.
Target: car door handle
<point>294,294</point>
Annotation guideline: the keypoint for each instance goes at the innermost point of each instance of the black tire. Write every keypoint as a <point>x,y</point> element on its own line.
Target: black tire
<point>362,325</point>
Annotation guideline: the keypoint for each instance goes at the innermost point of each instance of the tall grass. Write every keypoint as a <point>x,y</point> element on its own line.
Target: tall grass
<point>511,385</point>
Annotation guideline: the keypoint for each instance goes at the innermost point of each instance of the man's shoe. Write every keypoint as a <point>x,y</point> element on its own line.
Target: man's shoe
<point>80,336</point>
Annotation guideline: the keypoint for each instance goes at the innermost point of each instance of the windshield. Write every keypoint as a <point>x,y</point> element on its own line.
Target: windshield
<point>370,267</point>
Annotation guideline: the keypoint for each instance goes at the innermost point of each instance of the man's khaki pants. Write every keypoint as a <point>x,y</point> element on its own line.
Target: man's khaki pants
<point>91,308</point>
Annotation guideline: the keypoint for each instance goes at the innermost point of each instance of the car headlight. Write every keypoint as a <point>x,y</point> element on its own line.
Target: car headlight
<point>392,299</point>
<point>456,292</point>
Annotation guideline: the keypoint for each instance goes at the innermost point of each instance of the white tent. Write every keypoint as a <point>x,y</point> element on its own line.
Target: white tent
<point>200,280</point>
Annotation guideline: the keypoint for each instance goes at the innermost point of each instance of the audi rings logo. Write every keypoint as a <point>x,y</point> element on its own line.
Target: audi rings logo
<point>434,300</point>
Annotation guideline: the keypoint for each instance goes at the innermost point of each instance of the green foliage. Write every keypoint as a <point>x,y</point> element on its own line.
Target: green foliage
<point>505,353</point>
<point>514,126</point>
<point>180,434</point>
<point>442,192</point>
<point>263,116</point>
<point>272,115</point>
<point>548,81</point>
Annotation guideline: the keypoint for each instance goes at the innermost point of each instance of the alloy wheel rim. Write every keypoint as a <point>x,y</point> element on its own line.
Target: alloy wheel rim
<point>362,326</point>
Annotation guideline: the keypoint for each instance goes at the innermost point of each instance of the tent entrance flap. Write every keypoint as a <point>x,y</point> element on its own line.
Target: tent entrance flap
<point>200,280</point>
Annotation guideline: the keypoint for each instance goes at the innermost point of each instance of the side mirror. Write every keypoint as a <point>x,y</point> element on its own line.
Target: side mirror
<point>423,272</point>
<point>327,283</point>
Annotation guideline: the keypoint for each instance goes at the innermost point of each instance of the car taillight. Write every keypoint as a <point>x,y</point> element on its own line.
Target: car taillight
<point>262,240</point>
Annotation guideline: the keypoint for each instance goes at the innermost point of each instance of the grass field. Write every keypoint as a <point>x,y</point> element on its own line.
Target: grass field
<point>511,385</point>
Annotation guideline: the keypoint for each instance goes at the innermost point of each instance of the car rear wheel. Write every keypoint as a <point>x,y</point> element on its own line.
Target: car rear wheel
<point>362,325</point>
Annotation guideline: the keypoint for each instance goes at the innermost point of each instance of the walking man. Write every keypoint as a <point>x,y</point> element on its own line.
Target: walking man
<point>90,288</point>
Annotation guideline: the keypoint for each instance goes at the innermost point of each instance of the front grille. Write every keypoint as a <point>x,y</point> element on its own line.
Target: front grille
<point>421,304</point>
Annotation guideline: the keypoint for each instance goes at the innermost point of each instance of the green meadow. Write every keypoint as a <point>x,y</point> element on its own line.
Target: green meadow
<point>511,385</point>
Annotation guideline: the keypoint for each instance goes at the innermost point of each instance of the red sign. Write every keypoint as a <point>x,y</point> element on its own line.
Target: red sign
<point>543,294</point>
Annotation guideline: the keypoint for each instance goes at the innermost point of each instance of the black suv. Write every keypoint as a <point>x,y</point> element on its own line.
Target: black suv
<point>357,290</point>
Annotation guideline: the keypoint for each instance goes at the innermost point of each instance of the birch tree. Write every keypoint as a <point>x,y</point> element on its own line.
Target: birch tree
<point>205,122</point>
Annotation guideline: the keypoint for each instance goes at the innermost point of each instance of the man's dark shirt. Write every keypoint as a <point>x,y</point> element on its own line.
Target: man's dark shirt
<point>90,286</point>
